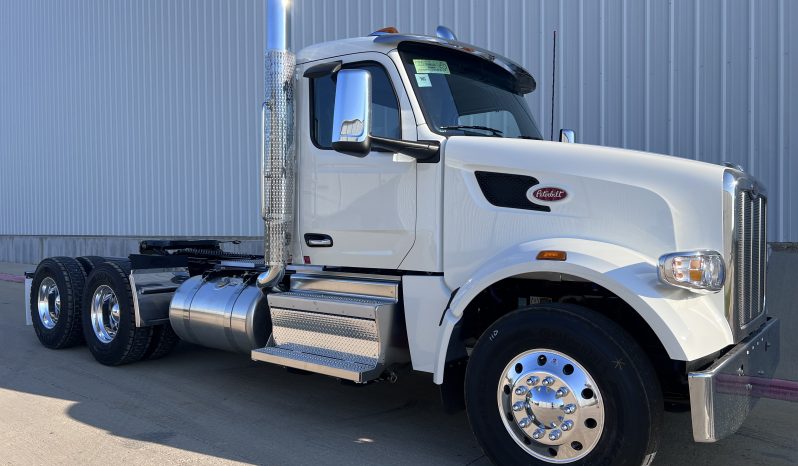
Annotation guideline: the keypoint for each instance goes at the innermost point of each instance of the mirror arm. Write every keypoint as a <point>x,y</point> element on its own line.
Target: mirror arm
<point>423,151</point>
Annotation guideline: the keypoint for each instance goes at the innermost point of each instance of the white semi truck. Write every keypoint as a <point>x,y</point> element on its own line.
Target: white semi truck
<point>563,294</point>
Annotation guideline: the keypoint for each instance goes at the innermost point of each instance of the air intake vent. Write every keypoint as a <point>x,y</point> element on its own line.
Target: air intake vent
<point>508,190</point>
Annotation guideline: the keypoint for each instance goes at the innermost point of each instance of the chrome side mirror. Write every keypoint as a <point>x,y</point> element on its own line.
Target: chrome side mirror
<point>567,135</point>
<point>352,113</point>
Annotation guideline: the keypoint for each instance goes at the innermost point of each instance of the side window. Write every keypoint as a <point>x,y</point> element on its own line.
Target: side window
<point>385,119</point>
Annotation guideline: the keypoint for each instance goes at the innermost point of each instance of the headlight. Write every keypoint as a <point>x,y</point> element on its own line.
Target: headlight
<point>694,270</point>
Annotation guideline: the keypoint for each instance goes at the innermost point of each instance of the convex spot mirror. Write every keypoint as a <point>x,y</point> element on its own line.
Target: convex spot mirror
<point>351,126</point>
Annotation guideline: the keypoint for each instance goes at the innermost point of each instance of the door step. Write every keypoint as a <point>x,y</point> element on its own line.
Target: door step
<point>328,325</point>
<point>344,366</point>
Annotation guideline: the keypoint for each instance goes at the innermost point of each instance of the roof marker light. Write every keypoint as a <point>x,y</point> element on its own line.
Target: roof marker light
<point>385,30</point>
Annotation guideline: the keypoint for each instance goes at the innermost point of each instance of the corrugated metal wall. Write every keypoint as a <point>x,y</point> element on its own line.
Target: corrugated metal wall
<point>140,118</point>
<point>130,117</point>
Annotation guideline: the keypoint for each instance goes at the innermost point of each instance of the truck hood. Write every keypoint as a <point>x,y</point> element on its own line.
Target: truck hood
<point>649,203</point>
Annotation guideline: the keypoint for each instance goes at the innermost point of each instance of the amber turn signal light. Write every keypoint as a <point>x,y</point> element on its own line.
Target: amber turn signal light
<point>552,256</point>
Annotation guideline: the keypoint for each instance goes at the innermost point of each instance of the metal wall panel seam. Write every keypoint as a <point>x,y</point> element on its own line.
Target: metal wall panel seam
<point>602,74</point>
<point>647,79</point>
<point>581,66</point>
<point>524,39</point>
<point>560,62</point>
<point>541,78</point>
<point>624,74</point>
<point>723,72</point>
<point>751,77</point>
<point>671,71</point>
<point>783,212</point>
<point>697,84</point>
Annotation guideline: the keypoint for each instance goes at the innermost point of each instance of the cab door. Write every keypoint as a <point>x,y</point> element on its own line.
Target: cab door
<point>356,211</point>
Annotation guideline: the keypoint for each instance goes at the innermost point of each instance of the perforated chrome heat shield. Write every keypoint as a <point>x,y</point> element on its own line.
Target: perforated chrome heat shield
<point>278,156</point>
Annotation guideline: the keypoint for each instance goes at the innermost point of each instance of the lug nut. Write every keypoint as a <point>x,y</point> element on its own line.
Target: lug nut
<point>561,392</point>
<point>555,435</point>
<point>520,390</point>
<point>518,406</point>
<point>533,380</point>
<point>524,423</point>
<point>548,381</point>
<point>569,408</point>
<point>538,434</point>
<point>567,425</point>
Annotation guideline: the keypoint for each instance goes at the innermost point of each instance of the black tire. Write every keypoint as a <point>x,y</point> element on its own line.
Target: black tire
<point>130,343</point>
<point>164,340</point>
<point>89,263</point>
<point>630,391</point>
<point>69,279</point>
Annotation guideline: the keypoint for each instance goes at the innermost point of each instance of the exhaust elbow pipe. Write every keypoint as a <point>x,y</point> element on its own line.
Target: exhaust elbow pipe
<point>277,143</point>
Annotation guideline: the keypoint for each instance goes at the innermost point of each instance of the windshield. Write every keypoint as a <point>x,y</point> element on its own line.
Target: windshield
<point>461,94</point>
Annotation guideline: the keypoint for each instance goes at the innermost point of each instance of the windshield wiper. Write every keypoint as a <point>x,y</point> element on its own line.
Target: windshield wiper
<point>496,132</point>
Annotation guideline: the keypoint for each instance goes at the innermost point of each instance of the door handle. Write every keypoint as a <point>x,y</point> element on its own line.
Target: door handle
<point>318,240</point>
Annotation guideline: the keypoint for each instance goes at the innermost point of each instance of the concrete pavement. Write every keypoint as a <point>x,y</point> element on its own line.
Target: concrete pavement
<point>201,406</point>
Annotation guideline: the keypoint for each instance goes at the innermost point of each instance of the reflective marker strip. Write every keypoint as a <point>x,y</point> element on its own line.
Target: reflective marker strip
<point>776,389</point>
<point>7,277</point>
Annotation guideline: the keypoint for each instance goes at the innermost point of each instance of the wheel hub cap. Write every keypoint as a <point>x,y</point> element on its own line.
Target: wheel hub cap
<point>551,406</point>
<point>105,314</point>
<point>49,303</point>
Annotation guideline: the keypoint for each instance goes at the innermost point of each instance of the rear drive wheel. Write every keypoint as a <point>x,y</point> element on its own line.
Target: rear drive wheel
<point>89,263</point>
<point>109,320</point>
<point>561,384</point>
<point>55,302</point>
<point>164,340</point>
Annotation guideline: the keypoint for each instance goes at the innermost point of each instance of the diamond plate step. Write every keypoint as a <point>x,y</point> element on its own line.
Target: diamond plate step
<point>349,327</point>
<point>340,368</point>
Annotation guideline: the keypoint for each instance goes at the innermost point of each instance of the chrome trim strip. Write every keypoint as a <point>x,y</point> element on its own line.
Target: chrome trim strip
<point>722,395</point>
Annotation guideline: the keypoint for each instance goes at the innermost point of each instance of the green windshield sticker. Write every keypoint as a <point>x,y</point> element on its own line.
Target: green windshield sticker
<point>423,80</point>
<point>431,66</point>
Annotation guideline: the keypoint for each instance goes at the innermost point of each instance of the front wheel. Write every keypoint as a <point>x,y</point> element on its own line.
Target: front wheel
<point>562,384</point>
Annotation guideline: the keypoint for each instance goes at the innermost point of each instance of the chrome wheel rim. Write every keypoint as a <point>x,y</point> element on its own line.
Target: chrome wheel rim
<point>104,313</point>
<point>49,303</point>
<point>551,406</point>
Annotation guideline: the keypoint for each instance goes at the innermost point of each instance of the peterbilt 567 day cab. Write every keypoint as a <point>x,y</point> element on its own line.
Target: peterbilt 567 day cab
<point>564,294</point>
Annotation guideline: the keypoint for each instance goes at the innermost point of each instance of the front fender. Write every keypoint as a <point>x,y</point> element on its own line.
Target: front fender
<point>689,325</point>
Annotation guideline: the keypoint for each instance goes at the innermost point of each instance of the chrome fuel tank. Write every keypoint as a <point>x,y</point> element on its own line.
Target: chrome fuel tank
<point>225,312</point>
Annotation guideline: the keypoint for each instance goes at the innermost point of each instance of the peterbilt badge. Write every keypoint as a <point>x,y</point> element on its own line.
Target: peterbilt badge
<point>546,194</point>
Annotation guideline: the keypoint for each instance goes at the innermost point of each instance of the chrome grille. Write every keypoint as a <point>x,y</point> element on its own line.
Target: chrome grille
<point>750,256</point>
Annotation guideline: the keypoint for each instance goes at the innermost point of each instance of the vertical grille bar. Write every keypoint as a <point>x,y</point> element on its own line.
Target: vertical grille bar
<point>751,256</point>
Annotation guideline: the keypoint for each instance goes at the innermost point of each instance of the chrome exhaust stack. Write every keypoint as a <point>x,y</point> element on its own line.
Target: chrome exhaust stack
<point>278,158</point>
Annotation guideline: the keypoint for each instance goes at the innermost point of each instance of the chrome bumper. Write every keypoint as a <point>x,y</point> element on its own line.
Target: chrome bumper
<point>722,395</point>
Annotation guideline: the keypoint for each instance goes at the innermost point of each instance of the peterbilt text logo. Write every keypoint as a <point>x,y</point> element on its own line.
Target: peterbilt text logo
<point>547,194</point>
